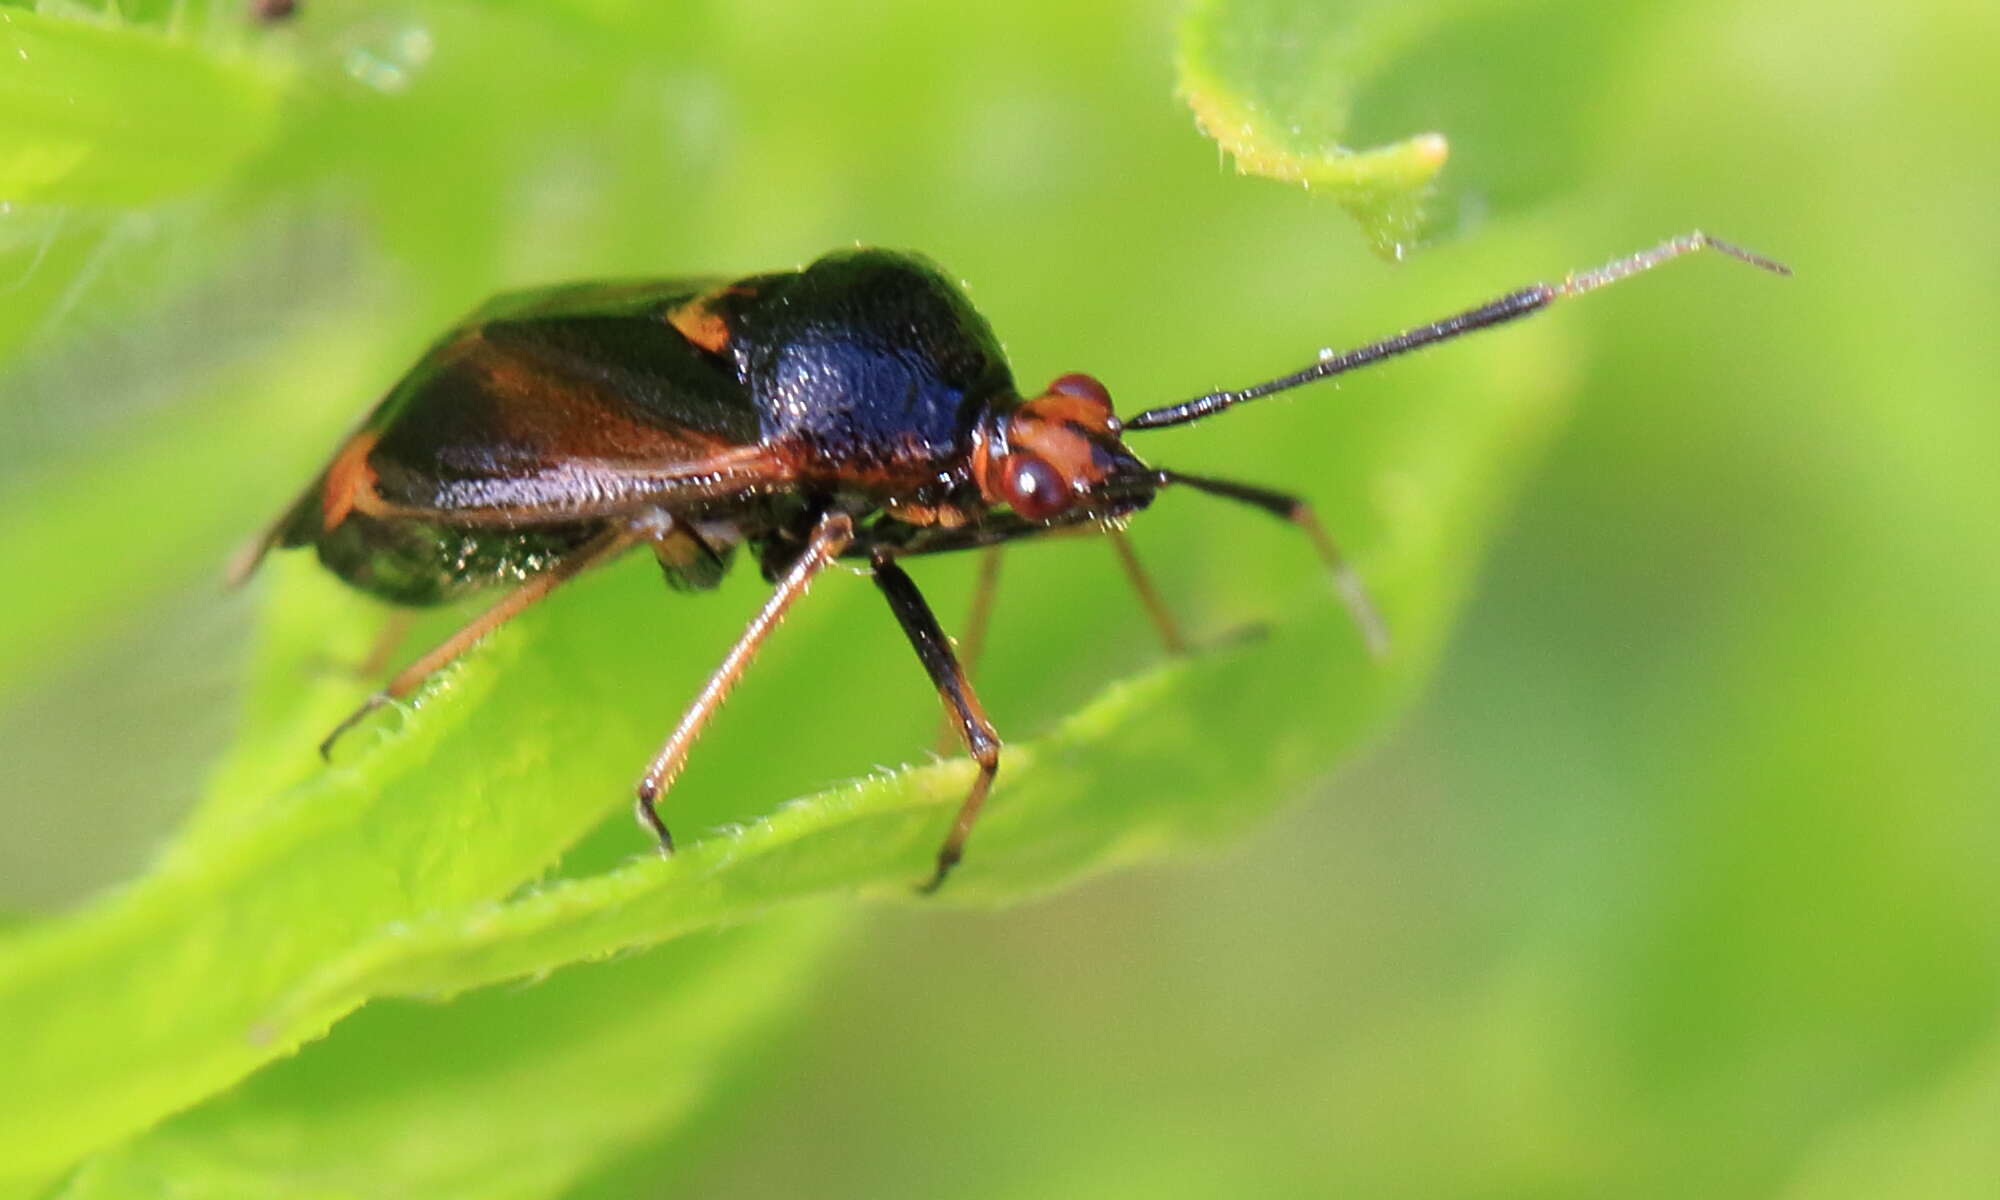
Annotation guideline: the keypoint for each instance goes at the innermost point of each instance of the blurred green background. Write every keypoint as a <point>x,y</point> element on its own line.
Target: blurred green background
<point>1680,878</point>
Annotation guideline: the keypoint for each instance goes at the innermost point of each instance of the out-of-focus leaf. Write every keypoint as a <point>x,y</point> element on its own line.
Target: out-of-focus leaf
<point>74,134</point>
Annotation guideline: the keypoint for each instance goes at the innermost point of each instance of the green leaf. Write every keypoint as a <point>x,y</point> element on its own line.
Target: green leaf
<point>1273,82</point>
<point>411,1098</point>
<point>74,136</point>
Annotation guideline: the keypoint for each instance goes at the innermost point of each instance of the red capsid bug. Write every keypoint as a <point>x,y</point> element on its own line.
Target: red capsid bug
<point>858,408</point>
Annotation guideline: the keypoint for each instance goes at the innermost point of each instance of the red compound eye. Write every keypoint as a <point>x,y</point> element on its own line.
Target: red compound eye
<point>1034,489</point>
<point>1083,387</point>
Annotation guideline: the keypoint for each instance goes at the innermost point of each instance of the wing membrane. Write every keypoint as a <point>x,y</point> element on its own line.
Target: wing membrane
<point>546,406</point>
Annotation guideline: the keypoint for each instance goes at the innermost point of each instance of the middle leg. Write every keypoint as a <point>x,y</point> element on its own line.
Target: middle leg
<point>982,741</point>
<point>829,538</point>
<point>972,642</point>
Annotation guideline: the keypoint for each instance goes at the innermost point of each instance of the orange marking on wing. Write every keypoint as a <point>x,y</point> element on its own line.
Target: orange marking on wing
<point>700,325</point>
<point>522,384</point>
<point>347,479</point>
<point>547,410</point>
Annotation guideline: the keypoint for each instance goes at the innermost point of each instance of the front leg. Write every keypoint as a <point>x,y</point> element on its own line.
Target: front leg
<point>955,690</point>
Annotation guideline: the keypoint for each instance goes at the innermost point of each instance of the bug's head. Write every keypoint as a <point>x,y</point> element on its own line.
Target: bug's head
<point>1058,456</point>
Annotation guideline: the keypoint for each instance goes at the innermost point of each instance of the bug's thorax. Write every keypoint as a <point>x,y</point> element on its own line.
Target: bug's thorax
<point>864,369</point>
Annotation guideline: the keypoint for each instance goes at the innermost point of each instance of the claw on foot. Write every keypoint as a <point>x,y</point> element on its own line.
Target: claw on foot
<point>352,719</point>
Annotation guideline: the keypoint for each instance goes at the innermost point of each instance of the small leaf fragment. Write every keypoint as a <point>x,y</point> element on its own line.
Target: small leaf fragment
<point>1272,81</point>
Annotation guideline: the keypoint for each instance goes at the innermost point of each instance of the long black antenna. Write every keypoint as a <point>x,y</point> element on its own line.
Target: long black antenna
<point>1509,307</point>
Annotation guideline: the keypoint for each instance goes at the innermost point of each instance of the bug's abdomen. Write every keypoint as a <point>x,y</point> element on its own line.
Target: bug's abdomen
<point>423,563</point>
